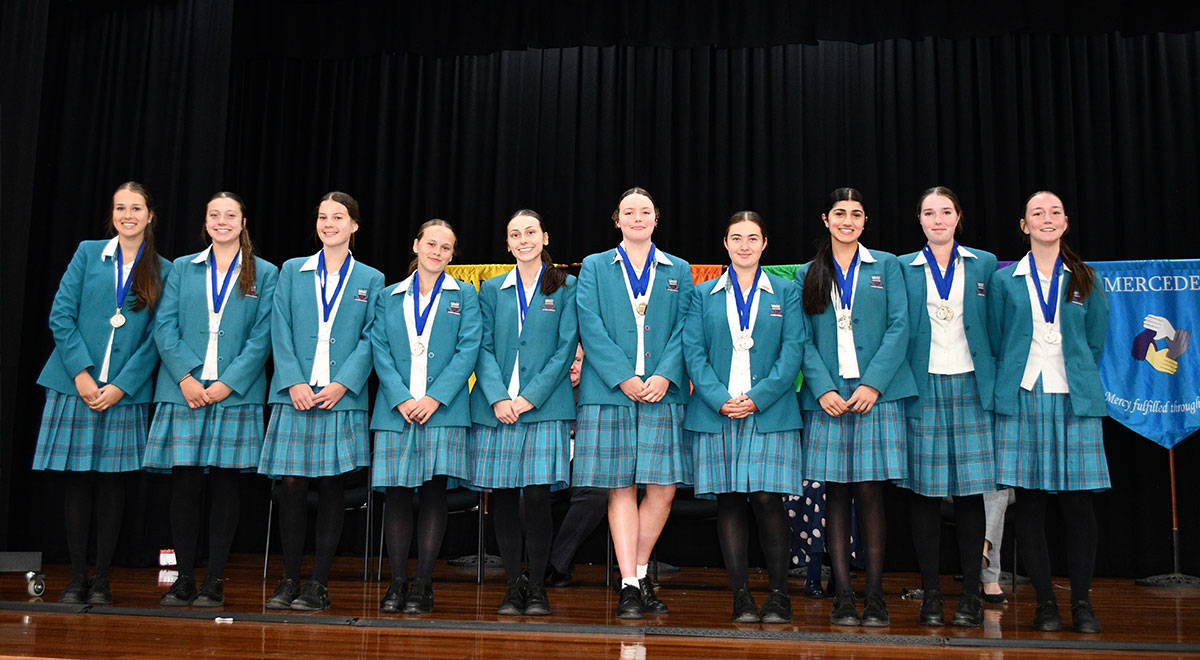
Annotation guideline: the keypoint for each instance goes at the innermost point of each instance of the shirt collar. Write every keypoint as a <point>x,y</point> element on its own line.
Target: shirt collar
<point>659,257</point>
<point>723,283</point>
<point>1022,269</point>
<point>448,284</point>
<point>110,248</point>
<point>203,256</point>
<point>864,255</point>
<point>311,262</point>
<point>920,260</point>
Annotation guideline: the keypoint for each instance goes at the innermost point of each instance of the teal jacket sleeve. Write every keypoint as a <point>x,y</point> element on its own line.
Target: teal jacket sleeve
<point>996,320</point>
<point>670,365</point>
<point>817,378</point>
<point>287,365</point>
<point>551,374</point>
<point>241,374</point>
<point>893,348</point>
<point>704,376</point>
<point>177,357</point>
<point>487,366</point>
<point>64,316</point>
<point>600,348</point>
<point>140,366</point>
<point>453,379</point>
<point>1097,320</point>
<point>782,376</point>
<point>356,368</point>
<point>390,380</point>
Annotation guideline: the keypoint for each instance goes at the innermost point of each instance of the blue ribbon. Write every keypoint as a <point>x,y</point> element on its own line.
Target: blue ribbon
<point>637,283</point>
<point>122,283</point>
<point>846,282</point>
<point>326,303</point>
<point>744,306</point>
<point>1049,303</point>
<point>420,317</point>
<point>522,302</point>
<point>943,283</point>
<point>218,296</point>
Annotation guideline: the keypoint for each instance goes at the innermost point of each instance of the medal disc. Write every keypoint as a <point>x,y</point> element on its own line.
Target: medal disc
<point>844,322</point>
<point>117,319</point>
<point>1052,336</point>
<point>744,343</point>
<point>641,309</point>
<point>945,312</point>
<point>417,347</point>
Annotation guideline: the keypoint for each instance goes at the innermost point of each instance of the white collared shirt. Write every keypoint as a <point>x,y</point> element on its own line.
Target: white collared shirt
<point>1045,359</point>
<point>639,367</point>
<point>949,352</point>
<point>418,370</point>
<point>110,251</point>
<point>320,376</point>
<point>739,365</point>
<point>847,356</point>
<point>209,371</point>
<point>514,383</point>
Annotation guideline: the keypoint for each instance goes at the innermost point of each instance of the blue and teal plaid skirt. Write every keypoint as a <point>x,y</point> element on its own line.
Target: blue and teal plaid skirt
<point>519,455</point>
<point>950,447</point>
<point>1046,447</point>
<point>618,446</point>
<point>856,447</point>
<point>314,442</point>
<point>741,460</point>
<point>212,436</point>
<point>418,453</point>
<point>75,438</point>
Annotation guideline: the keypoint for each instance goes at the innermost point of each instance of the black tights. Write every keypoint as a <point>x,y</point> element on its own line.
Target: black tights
<point>774,533</point>
<point>867,498</point>
<point>431,524</point>
<point>187,500</point>
<point>539,527</point>
<point>1079,528</point>
<point>293,521</point>
<point>926,518</point>
<point>105,493</point>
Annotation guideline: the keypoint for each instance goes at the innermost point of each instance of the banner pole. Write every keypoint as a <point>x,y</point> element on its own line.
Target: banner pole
<point>1177,578</point>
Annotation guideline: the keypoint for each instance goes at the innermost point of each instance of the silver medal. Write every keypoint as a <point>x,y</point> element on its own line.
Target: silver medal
<point>417,346</point>
<point>844,321</point>
<point>1052,336</point>
<point>117,320</point>
<point>944,311</point>
<point>744,342</point>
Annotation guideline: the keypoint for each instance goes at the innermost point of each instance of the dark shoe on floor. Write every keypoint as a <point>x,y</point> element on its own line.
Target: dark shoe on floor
<point>181,594</point>
<point>777,608</point>
<point>844,612</point>
<point>995,599</point>
<point>650,602</point>
<point>556,579</point>
<point>285,592</point>
<point>875,611</point>
<point>1046,617</point>
<point>313,597</point>
<point>969,613</point>
<point>630,604</point>
<point>76,591</point>
<point>99,593</point>
<point>931,608</point>
<point>1083,619</point>
<point>211,594</point>
<point>744,609</point>
<point>536,601</point>
<point>514,599</point>
<point>393,600</point>
<point>812,589</point>
<point>420,598</point>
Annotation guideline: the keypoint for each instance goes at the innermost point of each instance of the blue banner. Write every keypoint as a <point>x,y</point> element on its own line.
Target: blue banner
<point>1150,372</point>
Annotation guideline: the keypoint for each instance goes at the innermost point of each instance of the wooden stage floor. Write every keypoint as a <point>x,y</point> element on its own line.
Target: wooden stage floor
<point>1138,622</point>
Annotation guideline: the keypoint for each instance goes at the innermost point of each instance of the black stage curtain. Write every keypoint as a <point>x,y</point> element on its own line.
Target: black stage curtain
<point>493,111</point>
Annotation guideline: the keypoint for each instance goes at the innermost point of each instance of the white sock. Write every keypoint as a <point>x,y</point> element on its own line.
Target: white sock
<point>641,570</point>
<point>630,582</point>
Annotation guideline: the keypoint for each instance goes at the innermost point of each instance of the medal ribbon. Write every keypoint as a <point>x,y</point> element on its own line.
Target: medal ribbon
<point>218,296</point>
<point>1049,302</point>
<point>846,282</point>
<point>522,301</point>
<point>122,283</point>
<point>744,306</point>
<point>637,283</point>
<point>942,282</point>
<point>420,317</point>
<point>327,303</point>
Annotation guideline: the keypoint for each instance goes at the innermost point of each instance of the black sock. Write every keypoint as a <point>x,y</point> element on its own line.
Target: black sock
<point>77,512</point>
<point>293,523</point>
<point>505,505</point>
<point>868,502</point>
<point>774,534</point>
<point>733,533</point>
<point>398,528</point>
<point>224,508</point>
<point>925,517</point>
<point>970,524</point>
<point>1079,521</point>
<point>331,513</point>
<point>539,528</point>
<point>110,508</point>
<point>431,526</point>
<point>187,493</point>
<point>837,533</point>
<point>1031,535</point>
